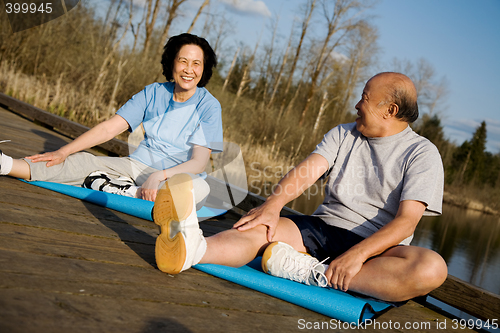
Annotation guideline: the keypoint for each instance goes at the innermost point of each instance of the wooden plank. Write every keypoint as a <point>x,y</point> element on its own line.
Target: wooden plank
<point>468,298</point>
<point>58,312</point>
<point>33,203</point>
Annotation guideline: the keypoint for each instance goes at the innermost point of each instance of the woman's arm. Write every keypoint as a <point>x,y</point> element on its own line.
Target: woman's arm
<point>103,132</point>
<point>195,165</point>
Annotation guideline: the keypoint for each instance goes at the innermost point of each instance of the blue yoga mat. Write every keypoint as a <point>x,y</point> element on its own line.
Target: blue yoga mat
<point>132,206</point>
<point>329,302</point>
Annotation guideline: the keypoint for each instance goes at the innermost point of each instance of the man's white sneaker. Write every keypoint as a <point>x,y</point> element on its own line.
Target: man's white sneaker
<point>180,244</point>
<point>101,181</point>
<point>282,260</point>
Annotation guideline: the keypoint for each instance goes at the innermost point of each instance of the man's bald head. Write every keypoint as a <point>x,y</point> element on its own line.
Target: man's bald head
<point>400,91</point>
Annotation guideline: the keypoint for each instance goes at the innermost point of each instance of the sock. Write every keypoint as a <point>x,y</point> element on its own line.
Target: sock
<point>6,163</point>
<point>200,252</point>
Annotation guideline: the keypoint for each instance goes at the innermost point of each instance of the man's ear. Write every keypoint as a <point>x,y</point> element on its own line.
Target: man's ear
<point>392,110</point>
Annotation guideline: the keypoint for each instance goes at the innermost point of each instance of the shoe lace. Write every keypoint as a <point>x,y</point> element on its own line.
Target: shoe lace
<point>299,268</point>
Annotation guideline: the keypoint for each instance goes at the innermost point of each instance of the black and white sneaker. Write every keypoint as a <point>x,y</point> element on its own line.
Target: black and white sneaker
<point>101,181</point>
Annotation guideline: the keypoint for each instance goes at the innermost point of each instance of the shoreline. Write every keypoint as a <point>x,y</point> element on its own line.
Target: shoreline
<point>462,202</point>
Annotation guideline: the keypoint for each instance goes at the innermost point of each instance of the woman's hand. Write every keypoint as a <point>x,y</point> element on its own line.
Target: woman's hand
<point>150,187</point>
<point>52,158</point>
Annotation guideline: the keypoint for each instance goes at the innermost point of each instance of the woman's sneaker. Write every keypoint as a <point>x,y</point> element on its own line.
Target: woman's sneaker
<point>282,260</point>
<point>180,244</point>
<point>101,181</point>
<point>5,162</point>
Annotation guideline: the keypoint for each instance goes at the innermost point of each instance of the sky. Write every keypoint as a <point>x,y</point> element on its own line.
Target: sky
<point>459,38</point>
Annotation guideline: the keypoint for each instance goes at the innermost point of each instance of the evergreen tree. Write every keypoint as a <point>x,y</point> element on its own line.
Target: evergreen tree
<point>469,158</point>
<point>431,129</point>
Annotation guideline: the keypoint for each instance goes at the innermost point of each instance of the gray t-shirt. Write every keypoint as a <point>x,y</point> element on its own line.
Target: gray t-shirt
<point>369,177</point>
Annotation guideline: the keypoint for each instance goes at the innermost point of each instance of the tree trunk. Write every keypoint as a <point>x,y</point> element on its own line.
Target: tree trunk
<point>172,14</point>
<point>246,76</point>
<point>230,70</point>
<point>205,3</point>
<point>150,24</point>
<point>336,22</point>
<point>305,25</point>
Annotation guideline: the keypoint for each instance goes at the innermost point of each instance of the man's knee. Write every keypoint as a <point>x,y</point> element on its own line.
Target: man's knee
<point>430,270</point>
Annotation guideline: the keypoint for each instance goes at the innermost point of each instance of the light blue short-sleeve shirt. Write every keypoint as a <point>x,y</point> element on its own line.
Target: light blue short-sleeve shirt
<point>172,128</point>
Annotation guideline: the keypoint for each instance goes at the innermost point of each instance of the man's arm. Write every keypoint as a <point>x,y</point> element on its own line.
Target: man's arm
<point>197,164</point>
<point>342,270</point>
<point>293,184</point>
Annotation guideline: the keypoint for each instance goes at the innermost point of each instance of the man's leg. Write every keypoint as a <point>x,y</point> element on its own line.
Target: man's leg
<point>401,273</point>
<point>237,248</point>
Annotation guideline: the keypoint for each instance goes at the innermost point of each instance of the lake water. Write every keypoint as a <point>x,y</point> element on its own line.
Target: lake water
<point>469,241</point>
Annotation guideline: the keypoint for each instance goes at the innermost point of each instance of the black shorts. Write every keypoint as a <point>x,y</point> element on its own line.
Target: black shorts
<point>322,240</point>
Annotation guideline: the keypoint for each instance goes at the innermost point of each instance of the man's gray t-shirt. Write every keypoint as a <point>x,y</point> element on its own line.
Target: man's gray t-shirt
<point>369,177</point>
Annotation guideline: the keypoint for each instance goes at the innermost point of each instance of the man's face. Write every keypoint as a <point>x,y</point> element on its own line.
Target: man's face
<point>372,107</point>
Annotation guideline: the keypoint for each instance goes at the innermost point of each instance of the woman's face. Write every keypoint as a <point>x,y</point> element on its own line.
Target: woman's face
<point>188,69</point>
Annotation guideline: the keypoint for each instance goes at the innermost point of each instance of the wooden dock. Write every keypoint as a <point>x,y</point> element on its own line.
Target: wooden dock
<point>71,266</point>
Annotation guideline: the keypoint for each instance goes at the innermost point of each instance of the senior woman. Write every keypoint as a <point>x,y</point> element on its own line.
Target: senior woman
<point>182,124</point>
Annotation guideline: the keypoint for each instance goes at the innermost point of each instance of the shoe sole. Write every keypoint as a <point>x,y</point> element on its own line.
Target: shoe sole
<point>266,255</point>
<point>174,203</point>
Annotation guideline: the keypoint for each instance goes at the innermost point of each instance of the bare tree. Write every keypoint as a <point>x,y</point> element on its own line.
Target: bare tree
<point>151,15</point>
<point>361,51</point>
<point>280,73</point>
<point>432,92</point>
<point>173,6</point>
<point>205,3</point>
<point>137,30</point>
<point>340,20</point>
<point>269,68</point>
<point>246,75</point>
<point>305,24</point>
<point>226,81</point>
<point>99,82</point>
<point>217,28</point>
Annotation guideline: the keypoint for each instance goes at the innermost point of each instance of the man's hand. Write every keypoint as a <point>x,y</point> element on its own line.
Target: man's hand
<point>265,214</point>
<point>343,269</point>
<point>52,158</point>
<point>150,187</point>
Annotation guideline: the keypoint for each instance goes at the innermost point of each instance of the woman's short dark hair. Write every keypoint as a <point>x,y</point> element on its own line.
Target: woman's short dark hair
<point>175,43</point>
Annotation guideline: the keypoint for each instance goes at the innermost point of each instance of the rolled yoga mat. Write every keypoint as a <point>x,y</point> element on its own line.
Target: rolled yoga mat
<point>132,206</point>
<point>329,302</point>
